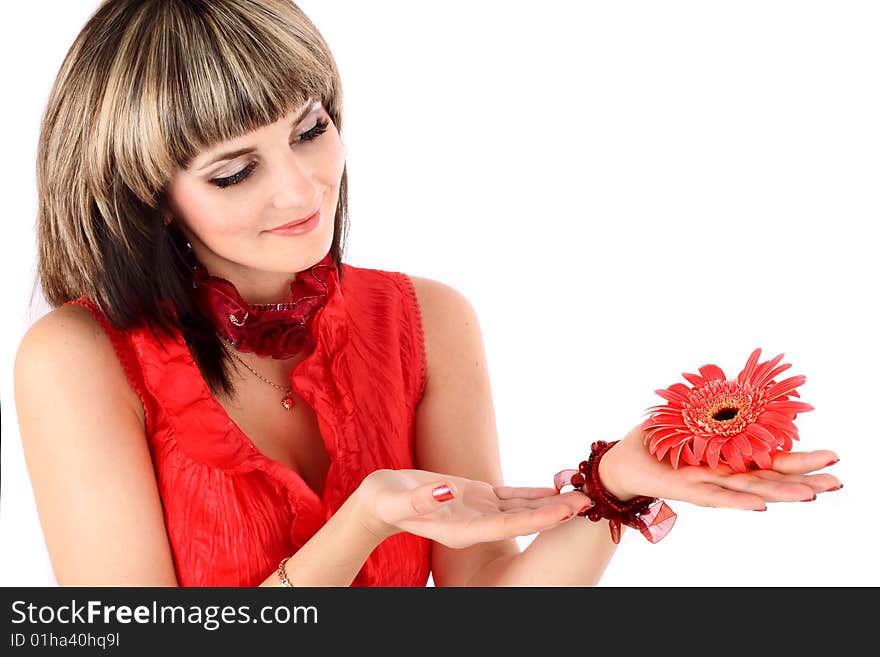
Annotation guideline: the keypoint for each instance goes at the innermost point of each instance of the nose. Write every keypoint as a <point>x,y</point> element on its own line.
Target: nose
<point>294,186</point>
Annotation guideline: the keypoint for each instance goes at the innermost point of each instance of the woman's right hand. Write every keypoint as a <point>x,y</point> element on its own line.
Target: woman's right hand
<point>397,501</point>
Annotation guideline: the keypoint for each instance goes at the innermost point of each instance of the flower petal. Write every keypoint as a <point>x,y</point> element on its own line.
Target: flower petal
<point>664,446</point>
<point>658,436</point>
<point>763,379</point>
<point>785,406</point>
<point>733,457</point>
<point>688,456</point>
<point>712,373</point>
<point>671,395</point>
<point>699,443</point>
<point>675,455</point>
<point>713,451</point>
<point>776,419</point>
<point>749,368</point>
<point>664,424</point>
<point>783,387</point>
<point>765,367</point>
<point>698,381</point>
<point>782,437</point>
<point>681,389</point>
<point>763,460</point>
<point>761,433</point>
<point>663,408</point>
<point>741,442</point>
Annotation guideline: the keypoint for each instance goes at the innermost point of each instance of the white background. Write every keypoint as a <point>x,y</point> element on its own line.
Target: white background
<point>624,191</point>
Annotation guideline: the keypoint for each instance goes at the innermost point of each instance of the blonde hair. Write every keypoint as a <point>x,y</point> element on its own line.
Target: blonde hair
<point>145,87</point>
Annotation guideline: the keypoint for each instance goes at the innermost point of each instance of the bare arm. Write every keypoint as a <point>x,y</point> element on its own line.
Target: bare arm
<point>82,429</point>
<point>456,433</point>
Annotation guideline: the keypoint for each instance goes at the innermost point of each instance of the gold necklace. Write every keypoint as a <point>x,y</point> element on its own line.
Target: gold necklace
<point>287,401</point>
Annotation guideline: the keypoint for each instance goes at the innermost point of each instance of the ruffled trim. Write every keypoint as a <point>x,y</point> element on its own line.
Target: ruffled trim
<point>418,329</point>
<point>194,426</point>
<point>277,330</point>
<point>319,379</point>
<point>170,371</point>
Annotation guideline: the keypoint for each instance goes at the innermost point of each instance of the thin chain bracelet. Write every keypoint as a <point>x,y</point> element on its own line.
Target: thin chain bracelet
<point>282,572</point>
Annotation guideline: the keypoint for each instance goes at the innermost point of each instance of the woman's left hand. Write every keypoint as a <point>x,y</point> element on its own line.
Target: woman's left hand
<point>628,469</point>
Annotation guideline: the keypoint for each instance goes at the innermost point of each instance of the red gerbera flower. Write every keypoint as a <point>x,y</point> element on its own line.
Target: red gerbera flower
<point>739,421</point>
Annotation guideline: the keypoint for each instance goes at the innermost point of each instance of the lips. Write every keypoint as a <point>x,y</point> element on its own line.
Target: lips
<point>297,222</point>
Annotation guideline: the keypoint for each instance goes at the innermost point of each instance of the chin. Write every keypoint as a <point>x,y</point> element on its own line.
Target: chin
<point>301,253</point>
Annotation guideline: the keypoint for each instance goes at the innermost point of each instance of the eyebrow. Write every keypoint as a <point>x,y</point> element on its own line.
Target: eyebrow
<point>228,155</point>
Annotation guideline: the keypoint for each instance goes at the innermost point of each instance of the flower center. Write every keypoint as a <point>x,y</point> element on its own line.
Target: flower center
<point>725,413</point>
<point>722,408</point>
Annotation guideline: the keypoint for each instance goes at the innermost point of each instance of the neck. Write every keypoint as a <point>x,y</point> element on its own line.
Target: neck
<point>264,289</point>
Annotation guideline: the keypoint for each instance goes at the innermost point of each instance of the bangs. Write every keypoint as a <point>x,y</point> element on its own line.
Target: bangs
<point>202,73</point>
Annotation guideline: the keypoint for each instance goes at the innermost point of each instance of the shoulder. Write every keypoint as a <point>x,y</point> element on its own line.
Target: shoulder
<point>448,317</point>
<point>69,332</point>
<point>452,335</point>
<point>436,297</point>
<point>63,345</point>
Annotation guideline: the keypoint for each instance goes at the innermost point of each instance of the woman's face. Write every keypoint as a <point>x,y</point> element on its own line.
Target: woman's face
<point>226,202</point>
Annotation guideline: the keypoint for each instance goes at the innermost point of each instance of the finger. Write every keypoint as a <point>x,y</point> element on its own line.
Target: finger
<point>719,497</point>
<point>499,526</point>
<point>489,527</point>
<point>784,488</point>
<point>820,483</point>
<point>508,492</point>
<point>575,500</point>
<point>803,462</point>
<point>393,506</point>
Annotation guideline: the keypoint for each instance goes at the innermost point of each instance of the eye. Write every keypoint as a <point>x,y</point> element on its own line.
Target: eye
<point>236,177</point>
<point>319,129</point>
<point>314,132</point>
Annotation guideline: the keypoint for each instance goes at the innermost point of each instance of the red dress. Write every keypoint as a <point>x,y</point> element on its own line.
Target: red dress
<point>232,513</point>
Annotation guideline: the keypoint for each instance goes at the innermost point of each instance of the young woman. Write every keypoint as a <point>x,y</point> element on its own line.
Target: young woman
<point>216,399</point>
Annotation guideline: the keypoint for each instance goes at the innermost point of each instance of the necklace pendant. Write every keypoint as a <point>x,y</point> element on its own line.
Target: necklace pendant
<point>288,402</point>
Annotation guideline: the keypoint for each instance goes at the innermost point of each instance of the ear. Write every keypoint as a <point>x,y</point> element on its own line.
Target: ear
<point>164,210</point>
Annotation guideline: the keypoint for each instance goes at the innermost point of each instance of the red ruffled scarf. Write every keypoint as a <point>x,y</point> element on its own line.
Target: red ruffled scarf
<point>279,330</point>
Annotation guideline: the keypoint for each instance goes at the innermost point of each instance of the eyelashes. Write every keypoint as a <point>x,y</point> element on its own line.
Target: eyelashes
<point>313,133</point>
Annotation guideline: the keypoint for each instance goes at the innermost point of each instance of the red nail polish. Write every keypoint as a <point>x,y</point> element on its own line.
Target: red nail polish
<point>809,499</point>
<point>585,508</point>
<point>831,462</point>
<point>764,509</point>
<point>835,488</point>
<point>442,493</point>
<point>568,515</point>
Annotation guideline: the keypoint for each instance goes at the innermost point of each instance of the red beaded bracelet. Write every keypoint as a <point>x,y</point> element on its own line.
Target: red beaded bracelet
<point>649,515</point>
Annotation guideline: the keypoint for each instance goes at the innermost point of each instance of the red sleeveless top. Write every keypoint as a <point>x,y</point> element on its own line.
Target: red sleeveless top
<point>232,513</point>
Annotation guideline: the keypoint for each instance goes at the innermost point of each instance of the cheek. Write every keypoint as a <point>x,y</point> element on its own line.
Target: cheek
<point>206,214</point>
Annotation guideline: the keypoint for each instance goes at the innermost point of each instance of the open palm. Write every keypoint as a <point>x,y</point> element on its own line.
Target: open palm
<point>401,500</point>
<point>632,470</point>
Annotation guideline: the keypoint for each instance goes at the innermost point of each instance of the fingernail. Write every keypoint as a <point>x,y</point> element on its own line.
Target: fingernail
<point>764,509</point>
<point>586,507</point>
<point>809,499</point>
<point>568,515</point>
<point>442,493</point>
<point>835,488</point>
<point>831,462</point>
